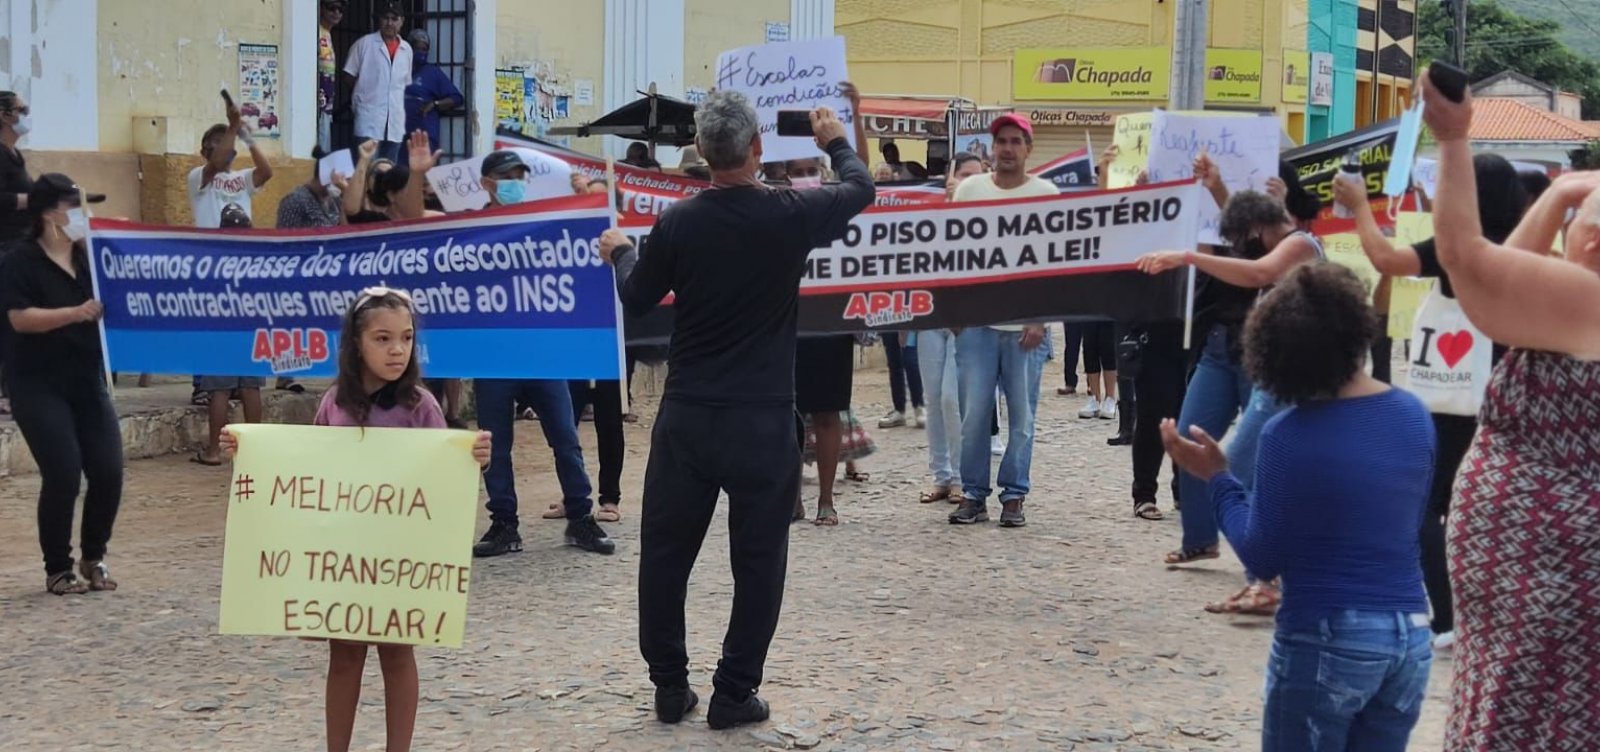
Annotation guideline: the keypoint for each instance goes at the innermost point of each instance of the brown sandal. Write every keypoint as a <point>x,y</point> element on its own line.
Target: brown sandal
<point>1190,555</point>
<point>557,511</point>
<point>608,513</point>
<point>65,583</point>
<point>939,493</point>
<point>1253,600</point>
<point>98,575</point>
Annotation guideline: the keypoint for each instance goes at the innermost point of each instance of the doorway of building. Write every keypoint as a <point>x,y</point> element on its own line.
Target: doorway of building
<point>449,26</point>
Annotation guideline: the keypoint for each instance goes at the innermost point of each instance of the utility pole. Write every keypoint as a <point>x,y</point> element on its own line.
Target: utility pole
<point>1189,55</point>
<point>1458,44</point>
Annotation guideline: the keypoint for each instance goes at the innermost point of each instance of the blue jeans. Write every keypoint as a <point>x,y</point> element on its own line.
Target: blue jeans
<point>1247,437</point>
<point>936,356</point>
<point>496,401</point>
<point>985,359</point>
<point>1217,391</point>
<point>1353,681</point>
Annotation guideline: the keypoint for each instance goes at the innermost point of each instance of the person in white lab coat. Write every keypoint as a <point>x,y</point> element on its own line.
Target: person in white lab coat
<point>376,74</point>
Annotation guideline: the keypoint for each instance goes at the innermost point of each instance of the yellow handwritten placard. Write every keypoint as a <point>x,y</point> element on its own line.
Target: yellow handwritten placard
<point>1132,139</point>
<point>1406,297</point>
<point>350,534</point>
<point>1344,249</point>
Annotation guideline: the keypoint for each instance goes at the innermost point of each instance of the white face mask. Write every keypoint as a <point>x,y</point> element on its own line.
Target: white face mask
<point>23,125</point>
<point>805,183</point>
<point>77,227</point>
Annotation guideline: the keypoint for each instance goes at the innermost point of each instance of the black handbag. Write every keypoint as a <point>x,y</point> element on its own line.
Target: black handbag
<point>1130,353</point>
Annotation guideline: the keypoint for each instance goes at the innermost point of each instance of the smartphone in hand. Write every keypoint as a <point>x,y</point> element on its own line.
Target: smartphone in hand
<point>794,123</point>
<point>1449,80</point>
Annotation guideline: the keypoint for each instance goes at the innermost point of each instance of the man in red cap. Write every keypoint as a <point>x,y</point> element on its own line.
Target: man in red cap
<point>1004,356</point>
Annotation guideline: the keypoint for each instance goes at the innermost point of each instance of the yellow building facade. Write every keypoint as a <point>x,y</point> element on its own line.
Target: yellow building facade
<point>996,52</point>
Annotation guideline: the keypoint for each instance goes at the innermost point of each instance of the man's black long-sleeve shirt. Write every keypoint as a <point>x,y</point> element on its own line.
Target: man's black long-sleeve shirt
<point>733,258</point>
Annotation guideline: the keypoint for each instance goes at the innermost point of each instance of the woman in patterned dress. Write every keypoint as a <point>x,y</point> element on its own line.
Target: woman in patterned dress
<point>1525,525</point>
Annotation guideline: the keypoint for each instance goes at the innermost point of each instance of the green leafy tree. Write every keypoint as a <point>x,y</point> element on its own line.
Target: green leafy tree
<point>1500,40</point>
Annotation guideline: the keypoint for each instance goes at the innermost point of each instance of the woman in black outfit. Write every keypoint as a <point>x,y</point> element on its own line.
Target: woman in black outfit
<point>1502,200</point>
<point>15,122</point>
<point>58,378</point>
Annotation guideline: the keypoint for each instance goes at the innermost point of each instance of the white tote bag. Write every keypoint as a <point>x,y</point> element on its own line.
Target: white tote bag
<point>1453,360</point>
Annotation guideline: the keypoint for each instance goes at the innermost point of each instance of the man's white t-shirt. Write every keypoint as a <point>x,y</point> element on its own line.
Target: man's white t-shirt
<point>225,188</point>
<point>982,188</point>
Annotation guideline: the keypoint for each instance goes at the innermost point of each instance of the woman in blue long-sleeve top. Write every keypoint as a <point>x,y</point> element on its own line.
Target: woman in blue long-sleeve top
<point>1341,485</point>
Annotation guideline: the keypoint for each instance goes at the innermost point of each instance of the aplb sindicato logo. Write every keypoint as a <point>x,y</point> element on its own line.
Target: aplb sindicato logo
<point>290,350</point>
<point>877,309</point>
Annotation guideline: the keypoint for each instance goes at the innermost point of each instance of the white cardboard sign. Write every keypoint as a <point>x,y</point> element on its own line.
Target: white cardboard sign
<point>789,76</point>
<point>460,189</point>
<point>1245,150</point>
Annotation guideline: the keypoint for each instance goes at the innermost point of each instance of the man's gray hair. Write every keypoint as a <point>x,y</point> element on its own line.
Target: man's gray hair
<point>419,35</point>
<point>725,124</point>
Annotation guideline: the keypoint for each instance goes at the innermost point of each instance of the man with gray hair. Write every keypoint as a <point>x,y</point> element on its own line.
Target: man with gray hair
<point>733,256</point>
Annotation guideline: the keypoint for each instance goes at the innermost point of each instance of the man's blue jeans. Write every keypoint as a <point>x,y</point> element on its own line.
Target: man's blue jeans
<point>985,359</point>
<point>496,401</point>
<point>936,355</point>
<point>1352,681</point>
<point>1217,392</point>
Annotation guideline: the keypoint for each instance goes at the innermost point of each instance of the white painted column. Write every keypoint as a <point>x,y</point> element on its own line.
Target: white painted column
<point>810,19</point>
<point>298,78</point>
<point>644,45</point>
<point>63,90</point>
<point>485,58</point>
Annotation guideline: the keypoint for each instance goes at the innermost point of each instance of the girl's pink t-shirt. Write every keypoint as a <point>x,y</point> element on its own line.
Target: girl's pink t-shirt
<point>427,413</point>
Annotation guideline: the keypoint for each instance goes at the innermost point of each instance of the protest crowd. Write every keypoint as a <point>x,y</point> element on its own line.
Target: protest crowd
<point>1378,523</point>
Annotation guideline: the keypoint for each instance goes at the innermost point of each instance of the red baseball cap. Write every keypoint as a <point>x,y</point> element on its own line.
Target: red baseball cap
<point>1012,119</point>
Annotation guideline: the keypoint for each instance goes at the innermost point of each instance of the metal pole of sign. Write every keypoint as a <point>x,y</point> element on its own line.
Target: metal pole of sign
<point>1189,93</point>
<point>616,295</point>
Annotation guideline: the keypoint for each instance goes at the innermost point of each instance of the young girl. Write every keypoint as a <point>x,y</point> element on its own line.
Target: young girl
<point>379,386</point>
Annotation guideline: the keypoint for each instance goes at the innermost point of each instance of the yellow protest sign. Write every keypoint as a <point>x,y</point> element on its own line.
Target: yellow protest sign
<point>1296,76</point>
<point>1233,75</point>
<point>350,534</point>
<point>1133,148</point>
<point>1344,249</point>
<point>1408,293</point>
<point>1103,73</point>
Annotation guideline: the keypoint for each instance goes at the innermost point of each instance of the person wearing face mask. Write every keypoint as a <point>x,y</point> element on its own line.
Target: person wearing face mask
<point>430,92</point>
<point>15,122</point>
<point>504,177</point>
<point>58,378</point>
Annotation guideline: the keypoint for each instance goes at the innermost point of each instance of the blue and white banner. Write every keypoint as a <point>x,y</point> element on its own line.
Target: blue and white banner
<point>518,292</point>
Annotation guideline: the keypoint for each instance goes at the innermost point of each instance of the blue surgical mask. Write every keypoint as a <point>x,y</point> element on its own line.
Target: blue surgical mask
<point>418,59</point>
<point>509,192</point>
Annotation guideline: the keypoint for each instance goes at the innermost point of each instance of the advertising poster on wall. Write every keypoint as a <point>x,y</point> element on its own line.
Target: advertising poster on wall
<point>258,89</point>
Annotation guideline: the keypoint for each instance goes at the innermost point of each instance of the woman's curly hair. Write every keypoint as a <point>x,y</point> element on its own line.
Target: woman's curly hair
<point>1311,334</point>
<point>1249,211</point>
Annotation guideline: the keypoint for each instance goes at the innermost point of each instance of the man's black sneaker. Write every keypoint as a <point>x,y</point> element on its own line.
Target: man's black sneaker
<point>1011,514</point>
<point>970,512</point>
<point>725,713</point>
<point>589,536</point>
<point>498,540</point>
<point>673,703</point>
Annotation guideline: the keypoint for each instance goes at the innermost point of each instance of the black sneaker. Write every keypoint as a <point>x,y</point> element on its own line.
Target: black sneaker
<point>725,713</point>
<point>500,539</point>
<point>589,536</point>
<point>969,513</point>
<point>1121,439</point>
<point>673,703</point>
<point>1011,514</point>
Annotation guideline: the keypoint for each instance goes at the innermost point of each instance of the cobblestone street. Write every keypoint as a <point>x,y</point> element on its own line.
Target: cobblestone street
<point>899,632</point>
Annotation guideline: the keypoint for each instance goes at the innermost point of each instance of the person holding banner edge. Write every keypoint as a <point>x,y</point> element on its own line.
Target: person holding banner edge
<point>504,177</point>
<point>1266,244</point>
<point>57,376</point>
<point>727,417</point>
<point>1005,356</point>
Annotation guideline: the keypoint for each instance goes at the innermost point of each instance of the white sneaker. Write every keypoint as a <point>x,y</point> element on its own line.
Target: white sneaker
<point>894,419</point>
<point>1090,410</point>
<point>996,446</point>
<point>1108,409</point>
<point>920,417</point>
<point>1444,641</point>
